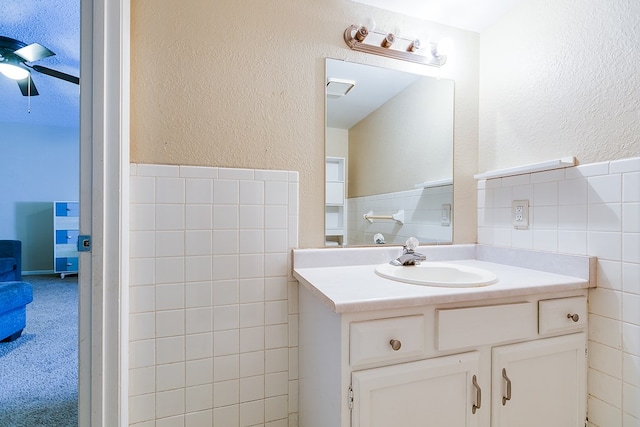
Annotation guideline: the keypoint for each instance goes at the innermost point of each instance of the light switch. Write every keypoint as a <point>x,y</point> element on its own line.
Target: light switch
<point>445,218</point>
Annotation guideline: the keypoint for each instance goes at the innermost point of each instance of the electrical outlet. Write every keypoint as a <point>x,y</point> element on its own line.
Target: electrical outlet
<point>520,213</point>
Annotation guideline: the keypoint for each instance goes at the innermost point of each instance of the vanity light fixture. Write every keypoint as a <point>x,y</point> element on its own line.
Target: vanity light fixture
<point>339,87</point>
<point>363,39</point>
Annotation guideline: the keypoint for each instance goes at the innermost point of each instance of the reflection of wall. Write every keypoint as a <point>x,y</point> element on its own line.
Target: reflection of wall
<point>39,165</point>
<point>422,210</point>
<point>337,142</point>
<point>409,140</point>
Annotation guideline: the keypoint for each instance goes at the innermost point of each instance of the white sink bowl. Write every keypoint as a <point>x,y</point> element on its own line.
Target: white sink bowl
<point>438,274</point>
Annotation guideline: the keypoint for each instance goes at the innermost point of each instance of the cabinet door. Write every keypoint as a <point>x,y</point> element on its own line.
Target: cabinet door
<point>434,392</point>
<point>540,383</point>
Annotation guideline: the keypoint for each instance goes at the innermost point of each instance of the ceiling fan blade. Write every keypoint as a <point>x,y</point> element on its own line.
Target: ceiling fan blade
<point>57,74</point>
<point>33,52</point>
<point>27,87</point>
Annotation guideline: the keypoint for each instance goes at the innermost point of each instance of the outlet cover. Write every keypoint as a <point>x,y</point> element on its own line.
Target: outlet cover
<point>520,214</point>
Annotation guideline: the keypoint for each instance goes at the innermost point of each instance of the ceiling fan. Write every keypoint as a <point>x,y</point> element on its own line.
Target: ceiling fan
<point>14,56</point>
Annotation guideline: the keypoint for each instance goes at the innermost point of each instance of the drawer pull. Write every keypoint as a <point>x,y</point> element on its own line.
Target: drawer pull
<point>506,378</point>
<point>478,403</point>
<point>573,317</point>
<point>395,344</point>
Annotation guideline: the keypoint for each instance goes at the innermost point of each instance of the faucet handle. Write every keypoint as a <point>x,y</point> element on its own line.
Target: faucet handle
<point>412,243</point>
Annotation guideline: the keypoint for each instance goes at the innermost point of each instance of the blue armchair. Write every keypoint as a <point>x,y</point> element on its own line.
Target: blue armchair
<point>14,293</point>
<point>10,260</point>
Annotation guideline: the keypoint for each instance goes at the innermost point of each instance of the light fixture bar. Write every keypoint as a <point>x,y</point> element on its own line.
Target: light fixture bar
<point>352,41</point>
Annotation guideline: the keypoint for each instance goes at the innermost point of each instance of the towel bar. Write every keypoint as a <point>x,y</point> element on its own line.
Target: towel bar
<point>398,216</point>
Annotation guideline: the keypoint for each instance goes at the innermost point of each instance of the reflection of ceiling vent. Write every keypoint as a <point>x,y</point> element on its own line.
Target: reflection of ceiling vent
<point>339,87</point>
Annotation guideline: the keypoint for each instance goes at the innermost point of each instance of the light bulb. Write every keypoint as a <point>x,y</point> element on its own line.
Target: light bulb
<point>369,24</point>
<point>444,47</point>
<point>13,71</point>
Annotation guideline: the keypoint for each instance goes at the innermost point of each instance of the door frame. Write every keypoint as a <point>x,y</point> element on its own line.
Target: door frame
<point>104,213</point>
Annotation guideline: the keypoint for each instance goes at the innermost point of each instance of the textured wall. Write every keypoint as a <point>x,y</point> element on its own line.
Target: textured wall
<point>241,84</point>
<point>558,78</point>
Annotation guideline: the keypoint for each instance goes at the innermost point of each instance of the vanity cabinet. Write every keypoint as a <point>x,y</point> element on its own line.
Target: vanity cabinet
<point>436,392</point>
<point>499,363</point>
<point>539,383</point>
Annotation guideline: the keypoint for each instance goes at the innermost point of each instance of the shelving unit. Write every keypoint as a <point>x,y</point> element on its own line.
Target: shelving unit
<point>335,208</point>
<point>65,237</point>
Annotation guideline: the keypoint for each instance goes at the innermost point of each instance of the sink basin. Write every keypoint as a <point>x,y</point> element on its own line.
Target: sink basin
<point>438,274</point>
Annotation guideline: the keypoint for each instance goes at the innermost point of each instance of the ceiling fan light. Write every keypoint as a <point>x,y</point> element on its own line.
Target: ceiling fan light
<point>13,71</point>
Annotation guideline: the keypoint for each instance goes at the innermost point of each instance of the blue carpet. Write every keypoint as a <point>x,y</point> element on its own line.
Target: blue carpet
<point>39,370</point>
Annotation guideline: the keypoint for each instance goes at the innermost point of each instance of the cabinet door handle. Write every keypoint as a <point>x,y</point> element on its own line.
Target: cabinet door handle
<point>478,403</point>
<point>506,378</point>
<point>573,317</point>
<point>395,344</point>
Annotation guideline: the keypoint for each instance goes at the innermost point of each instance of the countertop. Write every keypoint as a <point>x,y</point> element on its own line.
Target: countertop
<point>353,288</point>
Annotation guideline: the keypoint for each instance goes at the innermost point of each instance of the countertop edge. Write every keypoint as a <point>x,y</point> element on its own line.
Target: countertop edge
<point>316,292</point>
<point>446,299</point>
<point>375,301</point>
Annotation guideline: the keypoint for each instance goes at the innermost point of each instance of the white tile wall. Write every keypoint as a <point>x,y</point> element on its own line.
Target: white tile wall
<point>422,210</point>
<point>213,313</point>
<point>588,210</point>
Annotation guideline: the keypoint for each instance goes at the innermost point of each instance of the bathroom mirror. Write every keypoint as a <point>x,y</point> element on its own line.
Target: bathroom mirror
<point>389,156</point>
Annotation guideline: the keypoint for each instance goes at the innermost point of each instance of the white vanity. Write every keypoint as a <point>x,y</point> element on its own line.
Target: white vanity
<point>375,352</point>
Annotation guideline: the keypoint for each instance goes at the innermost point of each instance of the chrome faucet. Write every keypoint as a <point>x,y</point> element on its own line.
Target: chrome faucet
<point>409,255</point>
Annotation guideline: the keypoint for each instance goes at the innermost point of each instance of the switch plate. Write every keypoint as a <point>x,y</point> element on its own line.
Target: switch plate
<point>520,214</point>
<point>445,218</point>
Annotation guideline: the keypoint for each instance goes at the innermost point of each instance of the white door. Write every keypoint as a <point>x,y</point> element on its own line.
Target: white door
<point>434,392</point>
<point>540,383</point>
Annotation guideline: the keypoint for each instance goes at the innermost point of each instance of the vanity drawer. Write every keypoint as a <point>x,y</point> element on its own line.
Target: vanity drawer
<point>386,339</point>
<point>562,314</point>
<point>475,326</point>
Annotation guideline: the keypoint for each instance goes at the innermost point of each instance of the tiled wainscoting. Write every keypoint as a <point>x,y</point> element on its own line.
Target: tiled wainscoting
<point>213,311</point>
<point>422,216</point>
<point>589,210</point>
